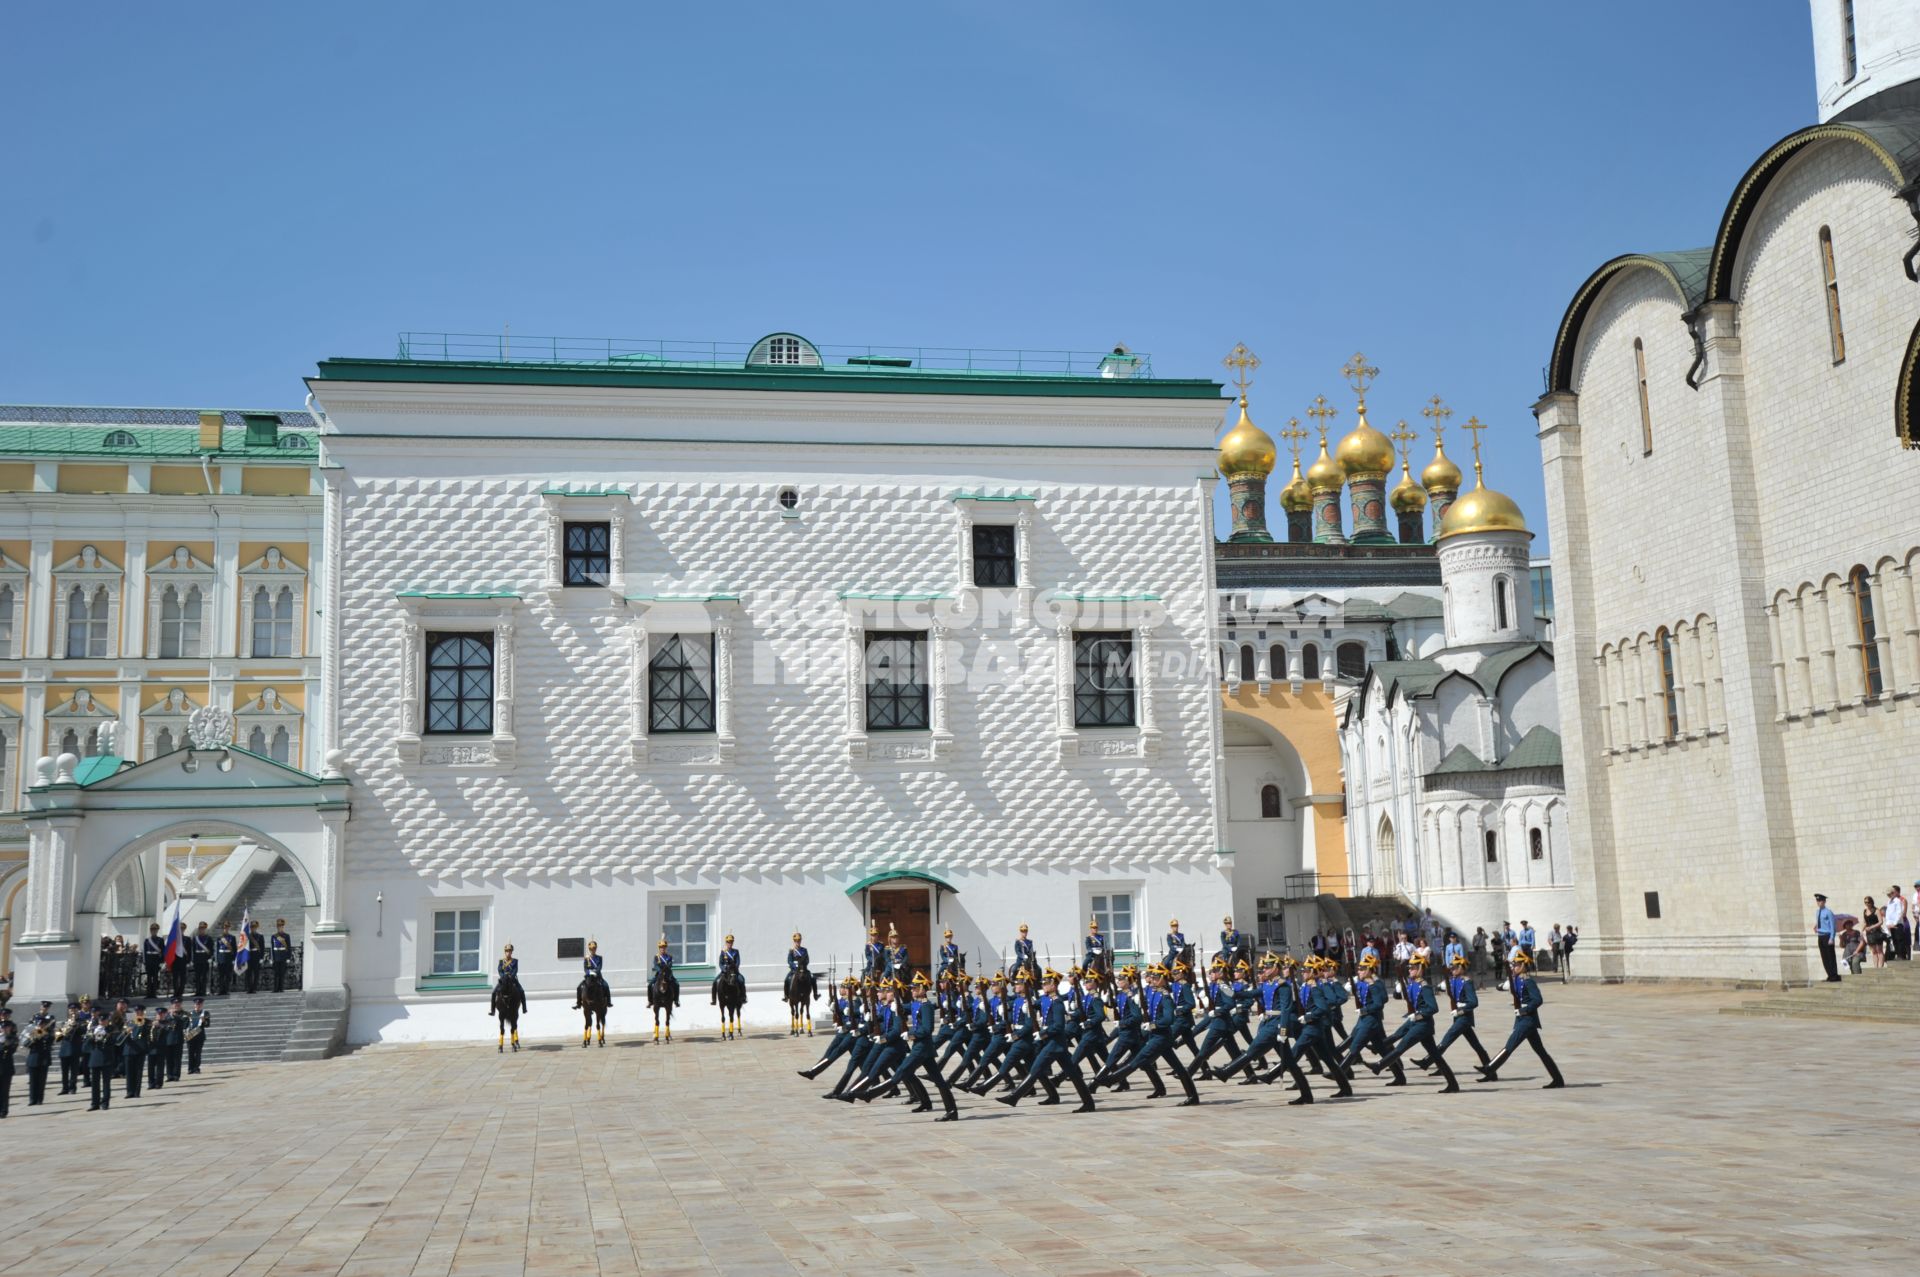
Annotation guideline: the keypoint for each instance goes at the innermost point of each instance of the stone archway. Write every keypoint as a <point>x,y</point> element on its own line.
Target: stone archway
<point>1271,840</point>
<point>94,898</point>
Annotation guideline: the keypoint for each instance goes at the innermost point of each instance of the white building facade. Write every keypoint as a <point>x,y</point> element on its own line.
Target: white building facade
<point>770,644</point>
<point>1730,445</point>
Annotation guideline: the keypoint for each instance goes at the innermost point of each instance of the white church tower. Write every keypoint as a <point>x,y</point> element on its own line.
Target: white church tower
<point>1862,49</point>
<point>1483,546</point>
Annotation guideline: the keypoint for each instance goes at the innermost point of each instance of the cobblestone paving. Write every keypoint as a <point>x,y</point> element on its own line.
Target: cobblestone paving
<point>1688,1142</point>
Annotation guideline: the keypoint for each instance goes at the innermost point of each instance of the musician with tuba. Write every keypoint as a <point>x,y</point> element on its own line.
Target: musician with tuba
<point>39,1042</point>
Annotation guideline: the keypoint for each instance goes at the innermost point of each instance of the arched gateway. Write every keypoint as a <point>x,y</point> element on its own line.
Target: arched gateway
<point>98,842</point>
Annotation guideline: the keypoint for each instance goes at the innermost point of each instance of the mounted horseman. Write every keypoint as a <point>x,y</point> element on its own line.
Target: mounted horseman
<point>663,989</point>
<point>801,990</point>
<point>594,995</point>
<point>1096,955</point>
<point>729,991</point>
<point>509,999</point>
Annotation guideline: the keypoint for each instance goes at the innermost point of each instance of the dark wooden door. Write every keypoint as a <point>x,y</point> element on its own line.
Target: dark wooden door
<point>907,910</point>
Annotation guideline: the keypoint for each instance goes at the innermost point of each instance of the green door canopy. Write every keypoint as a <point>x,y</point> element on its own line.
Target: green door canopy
<point>901,875</point>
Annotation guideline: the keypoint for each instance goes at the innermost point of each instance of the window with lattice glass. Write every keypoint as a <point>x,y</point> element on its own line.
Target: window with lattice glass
<point>680,684</point>
<point>995,557</point>
<point>1103,680</point>
<point>460,683</point>
<point>897,698</point>
<point>588,553</point>
<point>456,941</point>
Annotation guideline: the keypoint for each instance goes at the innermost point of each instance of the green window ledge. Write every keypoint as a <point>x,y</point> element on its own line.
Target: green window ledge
<point>453,983</point>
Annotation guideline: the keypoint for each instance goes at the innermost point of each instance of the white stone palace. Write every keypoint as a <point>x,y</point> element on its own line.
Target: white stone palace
<point>1729,438</point>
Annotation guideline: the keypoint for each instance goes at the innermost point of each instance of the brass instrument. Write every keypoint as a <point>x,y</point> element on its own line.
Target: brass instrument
<point>197,1028</point>
<point>64,1031</point>
<point>37,1034</point>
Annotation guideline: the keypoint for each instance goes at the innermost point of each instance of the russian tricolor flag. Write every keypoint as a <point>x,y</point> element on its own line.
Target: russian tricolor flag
<point>243,952</point>
<point>173,938</point>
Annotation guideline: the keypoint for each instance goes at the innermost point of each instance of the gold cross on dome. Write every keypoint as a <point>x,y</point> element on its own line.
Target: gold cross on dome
<point>1437,413</point>
<point>1405,438</point>
<point>1322,412</point>
<point>1293,434</point>
<point>1476,426</point>
<point>1242,361</point>
<point>1359,374</point>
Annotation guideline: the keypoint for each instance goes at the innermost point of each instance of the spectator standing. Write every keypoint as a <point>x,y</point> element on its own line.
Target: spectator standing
<point>1554,940</point>
<point>1479,948</point>
<point>1402,953</point>
<point>1571,939</point>
<point>1824,932</point>
<point>1876,932</point>
<point>1851,944</point>
<point>1454,949</point>
<point>1899,927</point>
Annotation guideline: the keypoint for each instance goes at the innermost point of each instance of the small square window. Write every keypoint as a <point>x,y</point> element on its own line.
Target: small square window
<point>1113,910</point>
<point>994,556</point>
<point>456,942</point>
<point>683,925</point>
<point>1653,904</point>
<point>587,555</point>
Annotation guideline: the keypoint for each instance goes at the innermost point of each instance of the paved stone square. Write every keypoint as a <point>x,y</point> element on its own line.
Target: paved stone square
<point>1689,1142</point>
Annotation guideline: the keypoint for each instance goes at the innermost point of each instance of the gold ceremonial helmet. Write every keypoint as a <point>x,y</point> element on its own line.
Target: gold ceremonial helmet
<point>663,942</point>
<point>1459,960</point>
<point>920,979</point>
<point>796,937</point>
<point>729,937</point>
<point>1093,925</point>
<point>1023,928</point>
<point>948,933</point>
<point>1226,922</point>
<point>509,949</point>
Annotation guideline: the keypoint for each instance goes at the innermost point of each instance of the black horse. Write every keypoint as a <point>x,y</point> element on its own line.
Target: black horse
<point>507,1002</point>
<point>593,998</point>
<point>729,993</point>
<point>801,991</point>
<point>663,994</point>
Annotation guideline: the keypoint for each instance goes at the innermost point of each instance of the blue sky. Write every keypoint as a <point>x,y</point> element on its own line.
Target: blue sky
<point>205,199</point>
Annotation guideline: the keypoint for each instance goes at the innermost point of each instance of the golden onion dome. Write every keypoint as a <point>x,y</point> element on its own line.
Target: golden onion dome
<point>1407,496</point>
<point>1482,510</point>
<point>1365,451</point>
<point>1441,475</point>
<point>1247,449</point>
<point>1296,495</point>
<point>1325,474</point>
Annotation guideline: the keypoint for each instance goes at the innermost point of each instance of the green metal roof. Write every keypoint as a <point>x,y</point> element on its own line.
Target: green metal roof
<point>902,875</point>
<point>1405,606</point>
<point>1459,759</point>
<point>148,434</point>
<point>1495,666</point>
<point>99,767</point>
<point>857,379</point>
<point>1538,748</point>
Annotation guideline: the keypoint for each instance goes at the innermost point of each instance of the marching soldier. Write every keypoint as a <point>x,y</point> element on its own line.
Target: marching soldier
<point>918,1062</point>
<point>949,953</point>
<point>1418,1027</point>
<point>176,1039</point>
<point>1158,1022</point>
<point>899,965</point>
<point>1056,1045</point>
<point>1279,1006</point>
<point>887,1047</point>
<point>199,1020</point>
<point>39,1035</point>
<point>1320,1000</point>
<point>1090,1014</point>
<point>1219,1021</point>
<point>1527,1001</point>
<point>1185,1004</point>
<point>1023,965</point>
<point>862,1021</point>
<point>225,949</point>
<point>1018,1011</point>
<point>153,951</point>
<point>200,954</point>
<point>1465,999</point>
<point>103,1048</point>
<point>73,1060</point>
<point>280,954</point>
<point>846,1019</point>
<point>9,1043</point>
<point>1370,996</point>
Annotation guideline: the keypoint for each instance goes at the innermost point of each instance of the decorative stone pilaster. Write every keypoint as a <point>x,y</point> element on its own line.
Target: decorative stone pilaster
<point>1413,528</point>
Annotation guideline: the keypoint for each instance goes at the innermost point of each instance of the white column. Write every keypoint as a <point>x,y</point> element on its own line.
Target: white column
<point>38,614</point>
<point>1884,631</point>
<point>722,690</point>
<point>1775,639</point>
<point>134,600</point>
<point>226,610</point>
<point>1910,626</point>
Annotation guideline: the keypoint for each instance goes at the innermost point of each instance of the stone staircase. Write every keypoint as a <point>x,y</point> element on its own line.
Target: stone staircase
<point>252,1028</point>
<point>274,893</point>
<point>295,1025</point>
<point>1890,995</point>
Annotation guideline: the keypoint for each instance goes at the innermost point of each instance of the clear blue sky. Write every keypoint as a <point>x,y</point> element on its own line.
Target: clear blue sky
<point>204,199</point>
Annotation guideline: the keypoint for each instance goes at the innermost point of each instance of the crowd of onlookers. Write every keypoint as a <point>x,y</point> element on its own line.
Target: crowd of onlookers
<point>1395,942</point>
<point>1881,932</point>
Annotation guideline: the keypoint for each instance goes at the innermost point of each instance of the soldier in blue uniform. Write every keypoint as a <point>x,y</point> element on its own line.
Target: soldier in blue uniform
<point>38,1035</point>
<point>1465,999</point>
<point>157,1033</point>
<point>859,1022</point>
<point>989,1048</point>
<point>1159,1022</point>
<point>1217,1025</point>
<point>1023,965</point>
<point>103,1048</point>
<point>874,955</point>
<point>1417,1029</point>
<point>844,1003</point>
<point>1055,1050</point>
<point>1095,954</point>
<point>199,1020</point>
<point>1320,1000</point>
<point>1279,1011</point>
<point>175,1039</point>
<point>200,953</point>
<point>280,954</point>
<point>899,965</point>
<point>1235,944</point>
<point>1176,944</point>
<point>1527,1001</point>
<point>1018,1013</point>
<point>508,967</point>
<point>153,951</point>
<point>1370,997</point>
<point>1093,1041</point>
<point>949,953</point>
<point>918,1062</point>
<point>889,1045</point>
<point>225,950</point>
<point>1186,1005</point>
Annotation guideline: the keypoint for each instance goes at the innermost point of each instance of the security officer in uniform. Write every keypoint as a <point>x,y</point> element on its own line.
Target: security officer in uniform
<point>225,950</point>
<point>200,954</point>
<point>153,951</point>
<point>39,1035</point>
<point>280,954</point>
<point>199,1020</point>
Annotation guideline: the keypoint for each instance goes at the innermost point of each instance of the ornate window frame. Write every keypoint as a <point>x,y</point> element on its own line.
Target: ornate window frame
<point>14,576</point>
<point>1015,509</point>
<point>181,571</point>
<point>268,711</point>
<point>171,715</point>
<point>586,505</point>
<point>1141,615</point>
<point>83,715</point>
<point>489,612</point>
<point>932,613</point>
<point>665,615</point>
<point>91,569</point>
<point>273,571</point>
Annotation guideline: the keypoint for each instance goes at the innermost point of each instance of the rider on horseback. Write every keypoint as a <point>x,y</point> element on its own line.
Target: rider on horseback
<point>594,979</point>
<point>949,954</point>
<point>899,965</point>
<point>1096,953</point>
<point>509,998</point>
<point>1176,943</point>
<point>1023,961</point>
<point>876,954</point>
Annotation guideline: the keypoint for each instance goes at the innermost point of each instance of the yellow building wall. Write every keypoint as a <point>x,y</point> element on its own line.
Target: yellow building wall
<point>85,478</point>
<point>1306,721</point>
<point>294,552</point>
<point>177,481</point>
<point>275,481</point>
<point>16,476</point>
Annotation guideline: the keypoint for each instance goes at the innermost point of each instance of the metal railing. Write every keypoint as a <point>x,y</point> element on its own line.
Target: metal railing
<point>1308,885</point>
<point>637,352</point>
<point>124,975</point>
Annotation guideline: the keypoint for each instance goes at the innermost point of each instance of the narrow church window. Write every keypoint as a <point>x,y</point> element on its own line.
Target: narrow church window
<point>1863,621</point>
<point>1849,45</point>
<point>1102,680</point>
<point>1246,663</point>
<point>1646,410</point>
<point>1350,659</point>
<point>1277,660</point>
<point>460,683</point>
<point>1310,663</point>
<point>257,741</point>
<point>1493,847</point>
<point>1269,802</point>
<point>1835,332</point>
<point>1669,698</point>
<point>994,557</point>
<point>896,682</point>
<point>587,553</point>
<point>1500,605</point>
<point>281,749</point>
<point>680,685</point>
<point>273,622</point>
<point>1536,847</point>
